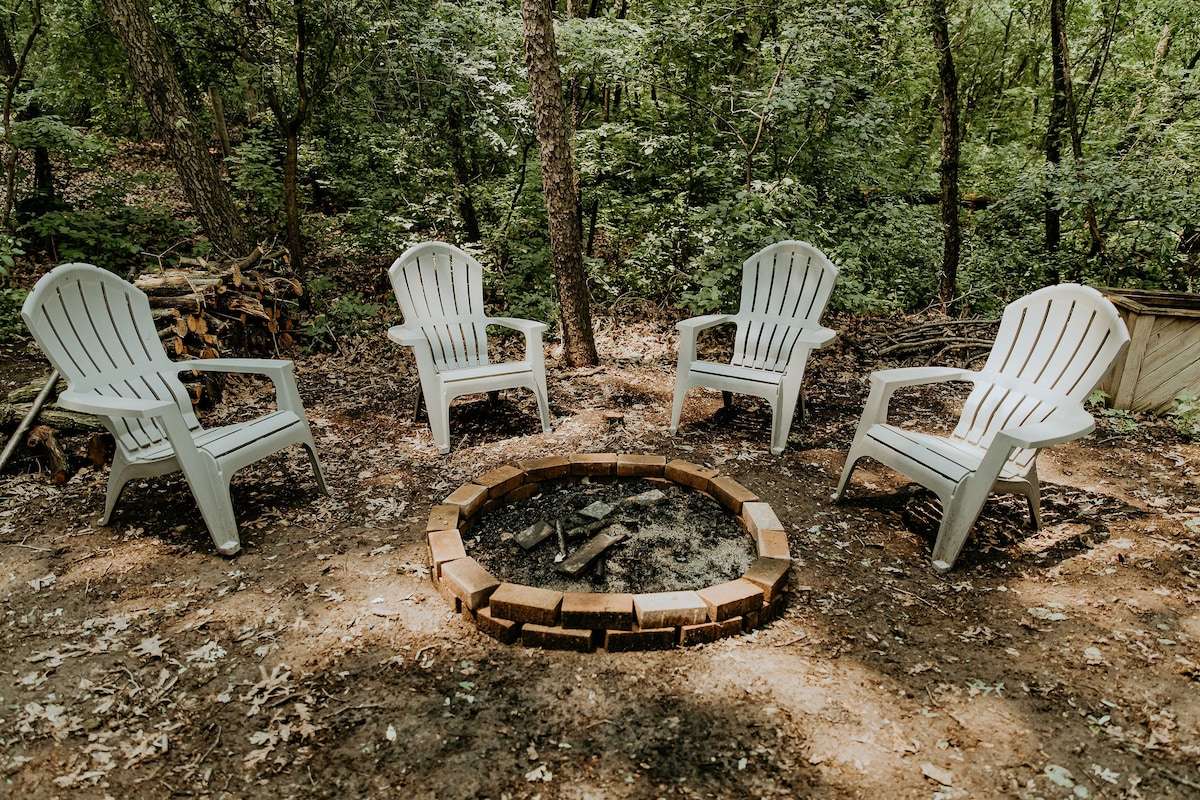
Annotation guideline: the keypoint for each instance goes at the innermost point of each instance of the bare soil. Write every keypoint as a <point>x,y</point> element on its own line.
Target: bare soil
<point>320,662</point>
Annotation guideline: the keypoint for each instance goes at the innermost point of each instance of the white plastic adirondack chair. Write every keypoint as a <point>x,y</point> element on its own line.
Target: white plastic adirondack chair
<point>440,291</point>
<point>98,332</point>
<point>785,288</point>
<point>1051,350</point>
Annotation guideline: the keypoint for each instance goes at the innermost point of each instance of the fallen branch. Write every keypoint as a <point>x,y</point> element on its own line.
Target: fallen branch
<point>29,417</point>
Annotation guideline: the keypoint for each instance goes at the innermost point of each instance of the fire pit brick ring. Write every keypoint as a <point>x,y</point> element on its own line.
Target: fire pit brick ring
<point>582,621</point>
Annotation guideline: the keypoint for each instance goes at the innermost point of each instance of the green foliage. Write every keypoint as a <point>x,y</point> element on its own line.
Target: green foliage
<point>1185,409</point>
<point>700,135</point>
<point>335,313</point>
<point>1121,421</point>
<point>107,231</point>
<point>11,298</point>
<point>257,175</point>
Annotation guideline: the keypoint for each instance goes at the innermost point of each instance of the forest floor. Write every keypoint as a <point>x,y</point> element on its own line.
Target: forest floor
<point>321,661</point>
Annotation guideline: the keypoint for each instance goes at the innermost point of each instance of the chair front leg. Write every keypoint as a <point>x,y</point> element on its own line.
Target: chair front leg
<point>209,484</point>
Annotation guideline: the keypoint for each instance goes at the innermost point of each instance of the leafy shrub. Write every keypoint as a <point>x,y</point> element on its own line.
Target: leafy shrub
<point>335,313</point>
<point>1120,420</point>
<point>105,231</point>
<point>1186,413</point>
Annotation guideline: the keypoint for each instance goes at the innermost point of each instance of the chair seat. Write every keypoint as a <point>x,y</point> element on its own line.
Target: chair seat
<point>953,459</point>
<point>226,439</point>
<point>452,376</point>
<point>747,375</point>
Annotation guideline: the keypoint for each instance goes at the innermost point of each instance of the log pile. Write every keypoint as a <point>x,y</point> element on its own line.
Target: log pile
<point>249,307</point>
<point>942,342</point>
<point>43,438</point>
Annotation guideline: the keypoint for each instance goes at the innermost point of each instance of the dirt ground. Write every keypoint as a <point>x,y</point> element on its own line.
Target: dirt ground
<point>320,662</point>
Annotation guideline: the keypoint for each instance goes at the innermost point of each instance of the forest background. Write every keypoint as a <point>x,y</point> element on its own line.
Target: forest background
<point>957,153</point>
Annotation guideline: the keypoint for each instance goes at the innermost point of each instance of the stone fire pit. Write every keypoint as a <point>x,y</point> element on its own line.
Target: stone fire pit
<point>548,618</point>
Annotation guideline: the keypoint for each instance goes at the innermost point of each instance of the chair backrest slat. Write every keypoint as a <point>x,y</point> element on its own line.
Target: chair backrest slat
<point>440,291</point>
<point>785,288</point>
<point>98,332</point>
<point>1052,349</point>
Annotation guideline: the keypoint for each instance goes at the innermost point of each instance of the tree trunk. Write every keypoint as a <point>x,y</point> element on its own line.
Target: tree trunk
<point>219,126</point>
<point>947,284</point>
<point>1060,53</point>
<point>154,74</point>
<point>1056,124</point>
<point>291,198</point>
<point>558,182</point>
<point>12,69</point>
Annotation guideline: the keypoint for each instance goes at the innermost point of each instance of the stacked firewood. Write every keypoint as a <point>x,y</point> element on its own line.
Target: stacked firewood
<point>206,309</point>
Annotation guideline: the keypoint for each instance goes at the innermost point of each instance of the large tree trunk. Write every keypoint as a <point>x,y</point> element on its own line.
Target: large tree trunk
<point>154,74</point>
<point>948,282</point>
<point>1060,54</point>
<point>558,182</point>
<point>1056,125</point>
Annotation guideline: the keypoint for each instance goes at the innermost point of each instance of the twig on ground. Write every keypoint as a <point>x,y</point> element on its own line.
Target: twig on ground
<point>1182,781</point>
<point>940,610</point>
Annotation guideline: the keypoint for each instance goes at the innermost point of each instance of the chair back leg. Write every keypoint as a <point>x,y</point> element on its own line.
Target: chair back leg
<point>681,388</point>
<point>539,391</point>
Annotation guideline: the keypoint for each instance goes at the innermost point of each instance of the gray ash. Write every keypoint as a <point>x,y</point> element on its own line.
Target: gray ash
<point>685,540</point>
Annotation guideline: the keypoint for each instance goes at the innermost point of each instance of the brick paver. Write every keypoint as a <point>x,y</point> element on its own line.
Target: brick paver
<point>598,611</point>
<point>732,599</point>
<point>467,580</point>
<point>631,466</point>
<point>770,575</point>
<point>686,473</point>
<point>709,631</point>
<point>469,498</point>
<point>588,464</point>
<point>503,630</point>
<point>730,493</point>
<point>545,469</point>
<point>640,639</point>
<point>442,517</point>
<point>444,546</point>
<point>552,637</point>
<point>669,609</point>
<point>521,603</point>
<point>501,480</point>
<point>773,544</point>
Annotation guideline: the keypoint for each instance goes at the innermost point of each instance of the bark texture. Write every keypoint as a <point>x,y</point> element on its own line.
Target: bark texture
<point>153,72</point>
<point>948,78</point>
<point>1061,57</point>
<point>558,182</point>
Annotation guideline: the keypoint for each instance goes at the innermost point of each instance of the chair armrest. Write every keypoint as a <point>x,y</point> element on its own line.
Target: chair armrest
<point>105,406</point>
<point>409,337</point>
<point>1059,428</point>
<point>700,323</point>
<point>280,371</point>
<point>816,337</point>
<point>689,329</point>
<point>525,326</point>
<point>885,382</point>
<point>893,379</point>
<point>271,367</point>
